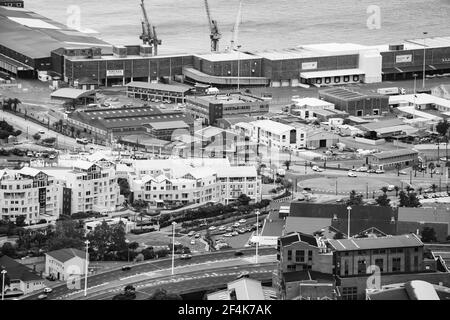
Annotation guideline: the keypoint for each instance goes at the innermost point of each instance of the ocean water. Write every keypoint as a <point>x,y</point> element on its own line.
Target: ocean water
<point>266,24</point>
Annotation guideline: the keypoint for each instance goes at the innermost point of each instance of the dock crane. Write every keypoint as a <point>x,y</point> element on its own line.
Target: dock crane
<point>214,30</point>
<point>234,37</point>
<point>149,35</point>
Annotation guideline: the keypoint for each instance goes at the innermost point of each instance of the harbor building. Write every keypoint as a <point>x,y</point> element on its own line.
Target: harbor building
<point>390,159</point>
<point>157,91</point>
<point>210,108</point>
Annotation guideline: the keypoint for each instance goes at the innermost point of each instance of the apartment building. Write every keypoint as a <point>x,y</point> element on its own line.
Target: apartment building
<point>31,193</point>
<point>198,185</point>
<point>193,180</point>
<point>92,187</point>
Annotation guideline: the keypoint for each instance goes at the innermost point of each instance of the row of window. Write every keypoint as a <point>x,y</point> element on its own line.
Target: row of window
<point>327,80</point>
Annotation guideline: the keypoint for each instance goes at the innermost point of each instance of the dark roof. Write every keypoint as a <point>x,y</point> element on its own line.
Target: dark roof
<point>352,244</point>
<point>17,270</point>
<point>305,275</point>
<point>63,255</point>
<point>37,36</point>
<point>346,94</point>
<point>296,237</point>
<point>362,217</point>
<point>306,225</point>
<point>159,86</point>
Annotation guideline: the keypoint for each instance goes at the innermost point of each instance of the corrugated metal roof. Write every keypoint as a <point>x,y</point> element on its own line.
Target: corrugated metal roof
<point>401,241</point>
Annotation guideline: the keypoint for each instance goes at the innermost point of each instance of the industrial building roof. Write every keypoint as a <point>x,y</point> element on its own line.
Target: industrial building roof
<point>311,102</point>
<point>382,124</point>
<point>227,56</point>
<point>159,86</point>
<point>394,153</point>
<point>177,124</point>
<point>231,98</point>
<point>401,241</point>
<point>71,93</point>
<point>273,126</point>
<point>346,94</point>
<point>35,36</point>
<point>307,225</point>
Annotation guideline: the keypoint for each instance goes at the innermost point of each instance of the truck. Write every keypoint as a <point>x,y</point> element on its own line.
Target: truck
<point>212,90</point>
<point>391,91</point>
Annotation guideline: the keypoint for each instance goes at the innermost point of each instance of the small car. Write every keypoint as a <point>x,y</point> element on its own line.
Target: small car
<point>192,242</point>
<point>351,174</point>
<point>222,228</point>
<point>379,171</point>
<point>48,290</point>
<point>212,228</point>
<point>237,224</point>
<point>242,221</point>
<point>42,296</point>
<point>238,253</point>
<point>197,235</point>
<point>185,256</point>
<point>402,172</point>
<point>126,268</point>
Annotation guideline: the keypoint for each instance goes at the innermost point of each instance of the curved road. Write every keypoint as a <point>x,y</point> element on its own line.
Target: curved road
<point>148,267</point>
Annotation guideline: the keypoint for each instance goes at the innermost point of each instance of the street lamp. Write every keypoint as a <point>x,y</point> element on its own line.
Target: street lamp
<point>257,234</point>
<point>128,249</point>
<point>86,267</point>
<point>3,283</point>
<point>173,245</point>
<point>349,209</point>
<point>424,52</point>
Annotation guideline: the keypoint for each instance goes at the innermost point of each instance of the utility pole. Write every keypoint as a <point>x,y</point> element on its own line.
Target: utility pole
<point>424,56</point>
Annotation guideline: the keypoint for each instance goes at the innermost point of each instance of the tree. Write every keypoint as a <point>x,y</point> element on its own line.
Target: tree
<point>68,234</point>
<point>384,189</point>
<point>396,188</point>
<point>409,189</point>
<point>243,199</point>
<point>36,136</point>
<point>346,121</point>
<point>442,127</point>
<point>434,187</point>
<point>129,293</point>
<point>409,200</point>
<point>20,220</point>
<point>338,235</point>
<point>9,250</point>
<point>162,294</point>
<point>383,200</point>
<point>355,199</point>
<point>124,187</point>
<point>428,235</point>
<point>287,163</point>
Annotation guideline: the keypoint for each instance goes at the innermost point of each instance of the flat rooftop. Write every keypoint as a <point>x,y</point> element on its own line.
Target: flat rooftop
<point>226,56</point>
<point>35,36</point>
<point>232,98</point>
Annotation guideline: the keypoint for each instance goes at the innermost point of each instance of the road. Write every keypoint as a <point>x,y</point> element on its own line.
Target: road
<point>148,267</point>
<point>193,282</point>
<point>30,128</point>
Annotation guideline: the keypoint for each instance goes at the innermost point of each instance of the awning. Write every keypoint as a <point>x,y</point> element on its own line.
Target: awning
<point>407,69</point>
<point>331,73</point>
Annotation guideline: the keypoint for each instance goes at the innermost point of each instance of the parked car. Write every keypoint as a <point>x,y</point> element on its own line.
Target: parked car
<point>191,233</point>
<point>379,171</point>
<point>192,242</point>
<point>362,169</point>
<point>222,228</point>
<point>371,171</point>
<point>235,233</point>
<point>237,224</point>
<point>402,172</point>
<point>197,235</point>
<point>242,221</point>
<point>229,229</point>
<point>126,268</point>
<point>238,253</point>
<point>185,256</point>
<point>317,169</point>
<point>391,187</point>
<point>42,296</point>
<point>48,290</point>
<point>212,228</point>
<point>352,174</point>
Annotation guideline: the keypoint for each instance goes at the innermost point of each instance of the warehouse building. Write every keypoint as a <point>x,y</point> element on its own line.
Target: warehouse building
<point>356,103</point>
<point>390,159</point>
<point>210,108</point>
<point>157,91</point>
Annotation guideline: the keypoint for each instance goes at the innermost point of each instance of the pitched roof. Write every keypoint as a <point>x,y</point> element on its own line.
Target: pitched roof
<point>307,275</point>
<point>307,225</point>
<point>394,153</point>
<point>17,270</point>
<point>402,241</point>
<point>159,86</point>
<point>63,255</point>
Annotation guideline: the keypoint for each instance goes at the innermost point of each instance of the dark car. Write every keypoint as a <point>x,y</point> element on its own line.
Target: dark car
<point>238,253</point>
<point>51,278</point>
<point>126,268</point>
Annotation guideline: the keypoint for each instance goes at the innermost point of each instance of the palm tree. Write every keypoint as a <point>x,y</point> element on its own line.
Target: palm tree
<point>409,189</point>
<point>384,189</point>
<point>287,163</point>
<point>15,103</point>
<point>431,166</point>
<point>434,187</point>
<point>398,166</point>
<point>396,188</point>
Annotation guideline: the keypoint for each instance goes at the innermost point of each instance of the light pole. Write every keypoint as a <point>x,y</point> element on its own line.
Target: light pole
<point>257,234</point>
<point>3,283</point>
<point>424,52</point>
<point>349,209</point>
<point>415,78</point>
<point>173,245</point>
<point>128,249</point>
<point>239,67</point>
<point>86,267</point>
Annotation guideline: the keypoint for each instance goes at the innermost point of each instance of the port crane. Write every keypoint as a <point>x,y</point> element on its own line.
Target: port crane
<point>149,35</point>
<point>214,30</point>
<point>234,37</point>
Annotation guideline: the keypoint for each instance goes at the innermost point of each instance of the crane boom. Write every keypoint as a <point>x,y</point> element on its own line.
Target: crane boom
<point>234,38</point>
<point>214,30</point>
<point>148,31</point>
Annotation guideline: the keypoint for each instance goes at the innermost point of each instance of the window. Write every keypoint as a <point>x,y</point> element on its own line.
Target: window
<point>359,113</point>
<point>376,112</point>
<point>356,78</point>
<point>362,266</point>
<point>337,79</point>
<point>310,254</point>
<point>327,80</point>
<point>416,262</point>
<point>396,264</point>
<point>349,293</point>
<point>289,255</point>
<point>346,78</point>
<point>379,264</point>
<point>299,256</point>
<point>346,268</point>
